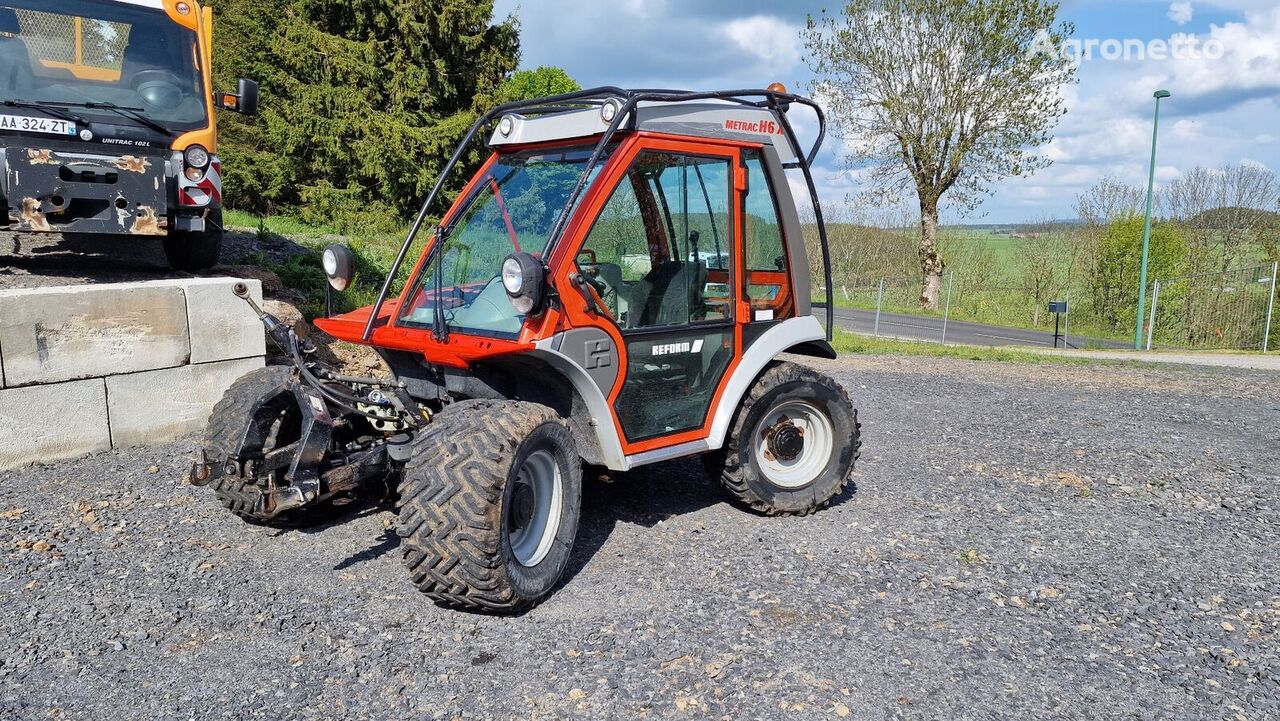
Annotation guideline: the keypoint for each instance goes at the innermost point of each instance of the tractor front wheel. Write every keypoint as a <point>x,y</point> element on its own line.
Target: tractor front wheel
<point>792,445</point>
<point>264,388</point>
<point>489,505</point>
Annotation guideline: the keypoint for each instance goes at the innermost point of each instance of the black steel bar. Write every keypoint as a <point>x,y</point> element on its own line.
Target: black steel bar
<point>444,174</point>
<point>817,207</point>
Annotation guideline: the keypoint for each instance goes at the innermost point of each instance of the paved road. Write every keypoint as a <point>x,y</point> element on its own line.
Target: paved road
<point>915,327</point>
<point>1253,361</point>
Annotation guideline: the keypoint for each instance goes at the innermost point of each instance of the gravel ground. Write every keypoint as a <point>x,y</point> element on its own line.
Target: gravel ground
<point>1089,542</point>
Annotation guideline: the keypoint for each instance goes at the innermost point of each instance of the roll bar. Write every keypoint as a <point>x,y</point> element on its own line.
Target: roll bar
<point>773,101</point>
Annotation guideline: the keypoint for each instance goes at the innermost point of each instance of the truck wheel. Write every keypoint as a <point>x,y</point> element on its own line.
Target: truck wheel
<point>228,421</point>
<point>792,445</point>
<point>195,251</point>
<point>489,505</point>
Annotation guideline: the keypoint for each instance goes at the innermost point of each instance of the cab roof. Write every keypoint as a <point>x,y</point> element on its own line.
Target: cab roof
<point>709,119</point>
<point>754,116</point>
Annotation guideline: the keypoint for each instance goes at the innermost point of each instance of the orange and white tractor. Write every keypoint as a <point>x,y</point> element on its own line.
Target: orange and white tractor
<point>107,124</point>
<point>613,287</point>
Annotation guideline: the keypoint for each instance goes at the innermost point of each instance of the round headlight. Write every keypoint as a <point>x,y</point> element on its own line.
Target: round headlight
<point>524,278</point>
<point>523,304</point>
<point>512,275</point>
<point>196,156</point>
<point>339,265</point>
<point>608,111</point>
<point>506,125</point>
<point>195,175</point>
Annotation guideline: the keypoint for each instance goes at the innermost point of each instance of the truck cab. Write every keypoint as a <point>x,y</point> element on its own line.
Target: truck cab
<point>107,122</point>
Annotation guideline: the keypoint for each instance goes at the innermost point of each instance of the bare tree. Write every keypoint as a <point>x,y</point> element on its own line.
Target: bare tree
<point>1047,260</point>
<point>1107,200</point>
<point>1223,212</point>
<point>942,96</point>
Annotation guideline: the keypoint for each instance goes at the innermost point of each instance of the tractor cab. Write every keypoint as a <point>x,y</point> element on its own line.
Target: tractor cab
<point>614,286</point>
<point>655,231</point>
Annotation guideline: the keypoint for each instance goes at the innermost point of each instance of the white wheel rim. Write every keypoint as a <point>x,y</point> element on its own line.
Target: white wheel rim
<point>819,442</point>
<point>532,541</point>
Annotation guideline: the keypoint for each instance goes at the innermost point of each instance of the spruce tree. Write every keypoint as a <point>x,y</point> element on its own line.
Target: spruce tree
<point>362,101</point>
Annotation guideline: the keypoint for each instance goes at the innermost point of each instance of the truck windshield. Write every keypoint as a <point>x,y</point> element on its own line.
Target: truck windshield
<point>513,207</point>
<point>85,55</point>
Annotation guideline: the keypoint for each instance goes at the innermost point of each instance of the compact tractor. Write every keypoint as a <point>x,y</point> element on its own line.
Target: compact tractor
<point>612,288</point>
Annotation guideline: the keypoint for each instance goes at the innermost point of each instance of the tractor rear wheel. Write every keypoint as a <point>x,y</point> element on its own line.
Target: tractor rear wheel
<point>489,505</point>
<point>792,445</point>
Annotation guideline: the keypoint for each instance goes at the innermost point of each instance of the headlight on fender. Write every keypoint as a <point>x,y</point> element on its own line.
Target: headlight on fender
<point>339,265</point>
<point>196,157</point>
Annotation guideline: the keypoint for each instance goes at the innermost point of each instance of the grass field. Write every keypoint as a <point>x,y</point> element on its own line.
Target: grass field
<point>374,253</point>
<point>845,342</point>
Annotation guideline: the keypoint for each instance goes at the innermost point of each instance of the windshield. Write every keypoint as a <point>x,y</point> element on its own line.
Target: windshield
<point>101,52</point>
<point>513,208</point>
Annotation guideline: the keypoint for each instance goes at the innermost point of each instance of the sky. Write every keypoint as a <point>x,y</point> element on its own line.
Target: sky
<point>1225,106</point>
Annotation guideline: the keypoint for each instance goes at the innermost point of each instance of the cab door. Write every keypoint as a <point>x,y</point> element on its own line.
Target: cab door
<point>766,285</point>
<point>661,259</point>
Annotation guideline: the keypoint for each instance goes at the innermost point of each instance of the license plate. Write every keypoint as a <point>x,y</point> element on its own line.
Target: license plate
<point>28,124</point>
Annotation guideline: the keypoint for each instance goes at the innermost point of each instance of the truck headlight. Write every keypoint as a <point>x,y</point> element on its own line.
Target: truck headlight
<point>196,157</point>
<point>524,279</point>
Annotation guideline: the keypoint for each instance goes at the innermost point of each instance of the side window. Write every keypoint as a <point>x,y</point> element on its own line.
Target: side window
<point>657,239</point>
<point>766,254</point>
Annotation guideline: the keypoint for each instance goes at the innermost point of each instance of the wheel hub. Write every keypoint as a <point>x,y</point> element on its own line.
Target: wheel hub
<point>523,505</point>
<point>533,517</point>
<point>786,441</point>
<point>794,443</point>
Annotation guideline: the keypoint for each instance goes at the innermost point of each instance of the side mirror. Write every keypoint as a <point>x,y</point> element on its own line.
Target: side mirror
<point>244,100</point>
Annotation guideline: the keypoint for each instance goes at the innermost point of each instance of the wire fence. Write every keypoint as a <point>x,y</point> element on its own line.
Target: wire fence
<point>891,307</point>
<point>1232,310</point>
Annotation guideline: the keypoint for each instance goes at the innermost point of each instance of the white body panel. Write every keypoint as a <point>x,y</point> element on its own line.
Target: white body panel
<point>705,119</point>
<point>780,337</point>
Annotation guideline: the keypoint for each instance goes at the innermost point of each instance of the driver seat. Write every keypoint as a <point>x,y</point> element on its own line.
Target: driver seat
<point>15,59</point>
<point>669,294</point>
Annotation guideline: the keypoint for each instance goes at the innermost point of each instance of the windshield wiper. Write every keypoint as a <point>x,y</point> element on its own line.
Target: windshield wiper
<point>54,109</point>
<point>125,110</point>
<point>128,112</point>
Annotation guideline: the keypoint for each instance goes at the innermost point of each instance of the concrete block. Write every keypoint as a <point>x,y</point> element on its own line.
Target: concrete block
<point>56,334</point>
<point>52,422</point>
<point>166,404</point>
<point>223,327</point>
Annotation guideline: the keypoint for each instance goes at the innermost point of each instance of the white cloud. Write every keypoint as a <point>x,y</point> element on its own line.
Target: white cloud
<point>1186,129</point>
<point>645,8</point>
<point>1180,12</point>
<point>1248,66</point>
<point>774,41</point>
<point>1264,139</point>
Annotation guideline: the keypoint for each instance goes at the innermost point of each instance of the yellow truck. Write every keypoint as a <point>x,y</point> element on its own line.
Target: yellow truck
<point>107,122</point>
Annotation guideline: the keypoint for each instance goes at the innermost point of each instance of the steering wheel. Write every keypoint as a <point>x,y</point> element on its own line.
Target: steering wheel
<point>158,88</point>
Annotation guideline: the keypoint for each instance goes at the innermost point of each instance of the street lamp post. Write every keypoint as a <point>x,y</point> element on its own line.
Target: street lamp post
<point>1146,227</point>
